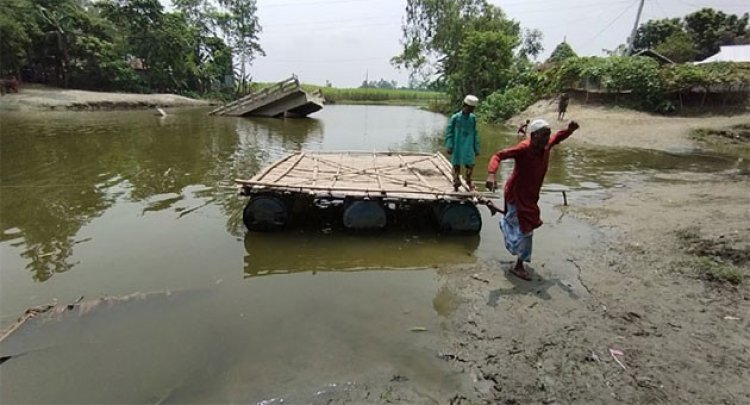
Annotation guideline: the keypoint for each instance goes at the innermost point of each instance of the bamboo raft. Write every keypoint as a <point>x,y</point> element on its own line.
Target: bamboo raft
<point>368,187</point>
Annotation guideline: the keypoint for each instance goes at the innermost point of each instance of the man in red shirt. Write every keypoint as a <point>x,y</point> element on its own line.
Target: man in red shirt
<point>522,214</point>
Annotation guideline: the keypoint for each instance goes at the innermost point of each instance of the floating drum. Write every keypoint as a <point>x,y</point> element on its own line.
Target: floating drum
<point>457,218</point>
<point>364,215</point>
<point>265,213</point>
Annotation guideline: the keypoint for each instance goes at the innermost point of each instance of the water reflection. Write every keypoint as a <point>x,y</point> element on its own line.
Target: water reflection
<point>61,171</point>
<point>281,134</point>
<point>138,203</point>
<point>311,251</point>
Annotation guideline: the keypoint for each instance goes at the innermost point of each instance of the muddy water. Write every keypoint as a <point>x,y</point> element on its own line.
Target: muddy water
<point>113,203</point>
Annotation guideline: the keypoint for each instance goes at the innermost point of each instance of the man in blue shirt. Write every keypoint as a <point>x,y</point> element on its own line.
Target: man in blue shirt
<point>462,141</point>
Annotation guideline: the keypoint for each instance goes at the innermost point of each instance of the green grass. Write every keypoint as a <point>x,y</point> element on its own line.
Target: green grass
<point>385,96</point>
<point>718,271</point>
<point>336,95</point>
<point>734,140</point>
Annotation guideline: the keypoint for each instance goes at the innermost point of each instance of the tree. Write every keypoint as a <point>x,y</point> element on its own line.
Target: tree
<point>380,84</point>
<point>562,51</point>
<point>678,47</point>
<point>241,28</point>
<point>18,26</point>
<point>710,29</point>
<point>483,63</point>
<point>100,45</point>
<point>620,50</point>
<point>212,57</point>
<point>654,32</point>
<point>436,31</point>
<point>532,44</point>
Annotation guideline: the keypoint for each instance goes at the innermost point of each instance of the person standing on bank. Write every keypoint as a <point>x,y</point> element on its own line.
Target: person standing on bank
<point>522,189</point>
<point>521,131</point>
<point>562,106</point>
<point>462,141</point>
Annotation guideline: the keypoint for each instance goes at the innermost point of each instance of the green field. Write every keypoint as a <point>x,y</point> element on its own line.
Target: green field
<point>335,95</point>
<point>378,96</point>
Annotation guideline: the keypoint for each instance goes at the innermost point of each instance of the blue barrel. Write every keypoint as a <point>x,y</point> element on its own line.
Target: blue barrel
<point>459,218</point>
<point>265,213</point>
<point>364,215</point>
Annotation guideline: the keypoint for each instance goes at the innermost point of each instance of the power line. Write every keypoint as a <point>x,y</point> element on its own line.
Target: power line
<point>631,40</point>
<point>577,6</point>
<point>606,27</point>
<point>687,3</point>
<point>397,19</point>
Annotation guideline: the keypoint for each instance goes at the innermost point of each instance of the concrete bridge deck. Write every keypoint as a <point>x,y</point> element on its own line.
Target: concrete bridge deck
<point>283,99</point>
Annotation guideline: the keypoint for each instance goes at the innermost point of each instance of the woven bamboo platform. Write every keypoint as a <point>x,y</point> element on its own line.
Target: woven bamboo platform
<point>385,175</point>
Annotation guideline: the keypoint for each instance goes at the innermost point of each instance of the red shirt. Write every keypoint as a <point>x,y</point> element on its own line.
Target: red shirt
<point>523,186</point>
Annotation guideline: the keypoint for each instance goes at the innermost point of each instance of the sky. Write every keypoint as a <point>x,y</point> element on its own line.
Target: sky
<point>345,41</point>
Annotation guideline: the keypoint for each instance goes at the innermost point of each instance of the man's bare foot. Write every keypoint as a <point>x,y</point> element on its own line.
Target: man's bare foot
<point>521,273</point>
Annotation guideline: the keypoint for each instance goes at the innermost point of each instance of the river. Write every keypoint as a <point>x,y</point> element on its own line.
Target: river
<point>142,209</point>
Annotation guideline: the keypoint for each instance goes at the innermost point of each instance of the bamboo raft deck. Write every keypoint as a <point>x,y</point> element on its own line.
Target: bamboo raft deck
<point>362,190</point>
<point>389,175</point>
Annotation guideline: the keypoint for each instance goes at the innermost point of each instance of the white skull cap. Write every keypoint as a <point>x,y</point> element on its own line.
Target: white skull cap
<point>471,100</point>
<point>537,124</point>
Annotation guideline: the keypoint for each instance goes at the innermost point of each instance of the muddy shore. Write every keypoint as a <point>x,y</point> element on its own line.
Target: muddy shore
<point>42,98</point>
<point>620,127</point>
<point>645,269</point>
<point>656,312</point>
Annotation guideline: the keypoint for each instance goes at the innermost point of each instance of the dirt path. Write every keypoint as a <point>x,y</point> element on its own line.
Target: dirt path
<point>34,99</point>
<point>647,288</point>
<point>655,313</point>
<point>619,127</point>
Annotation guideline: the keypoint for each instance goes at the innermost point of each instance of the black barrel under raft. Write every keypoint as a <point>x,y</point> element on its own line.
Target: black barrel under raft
<point>265,213</point>
<point>364,215</point>
<point>459,218</point>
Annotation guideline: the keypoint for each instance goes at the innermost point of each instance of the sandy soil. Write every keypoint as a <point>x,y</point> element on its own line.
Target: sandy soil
<point>32,99</point>
<point>650,318</point>
<point>645,292</point>
<point>613,126</point>
<point>640,311</point>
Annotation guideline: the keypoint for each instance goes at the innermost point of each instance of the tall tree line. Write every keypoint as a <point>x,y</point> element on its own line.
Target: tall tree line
<point>129,45</point>
<point>694,37</point>
<point>465,46</point>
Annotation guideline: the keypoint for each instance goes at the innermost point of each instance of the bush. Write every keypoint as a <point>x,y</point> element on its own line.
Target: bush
<point>501,105</point>
<point>651,87</point>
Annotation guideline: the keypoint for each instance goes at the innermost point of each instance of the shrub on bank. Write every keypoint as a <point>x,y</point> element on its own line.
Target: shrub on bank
<point>642,82</point>
<point>501,105</point>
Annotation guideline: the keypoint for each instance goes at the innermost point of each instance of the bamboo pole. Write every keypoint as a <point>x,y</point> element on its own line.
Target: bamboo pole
<point>302,189</point>
<point>357,171</point>
<point>377,175</point>
<point>315,172</point>
<point>265,171</point>
<point>289,169</point>
<point>338,170</point>
<point>411,169</point>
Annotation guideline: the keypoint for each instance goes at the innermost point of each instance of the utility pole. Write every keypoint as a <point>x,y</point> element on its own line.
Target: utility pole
<point>631,42</point>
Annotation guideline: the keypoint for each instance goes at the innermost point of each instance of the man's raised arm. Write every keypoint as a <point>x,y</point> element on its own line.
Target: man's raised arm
<point>563,134</point>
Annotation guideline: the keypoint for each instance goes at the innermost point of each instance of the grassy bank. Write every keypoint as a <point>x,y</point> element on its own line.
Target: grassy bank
<point>335,95</point>
<point>379,96</point>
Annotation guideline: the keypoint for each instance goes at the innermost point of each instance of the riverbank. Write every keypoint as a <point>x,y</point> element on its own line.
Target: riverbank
<point>45,98</point>
<point>653,309</point>
<point>622,127</point>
